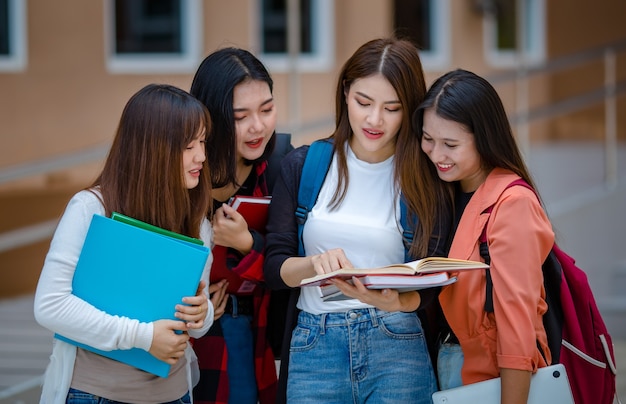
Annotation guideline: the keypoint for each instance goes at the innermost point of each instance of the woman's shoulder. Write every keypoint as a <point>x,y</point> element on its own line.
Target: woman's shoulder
<point>294,160</point>
<point>516,202</point>
<point>297,155</point>
<point>501,182</point>
<point>89,199</point>
<point>89,195</point>
<point>79,212</point>
<point>497,187</point>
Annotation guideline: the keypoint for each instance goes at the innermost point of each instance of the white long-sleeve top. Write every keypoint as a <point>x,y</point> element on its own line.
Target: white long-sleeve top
<point>57,309</point>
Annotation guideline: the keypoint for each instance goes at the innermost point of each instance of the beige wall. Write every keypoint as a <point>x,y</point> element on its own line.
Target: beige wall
<point>66,101</point>
<point>575,25</point>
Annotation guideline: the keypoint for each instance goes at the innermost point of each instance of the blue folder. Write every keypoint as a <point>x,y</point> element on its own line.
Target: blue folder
<point>129,271</point>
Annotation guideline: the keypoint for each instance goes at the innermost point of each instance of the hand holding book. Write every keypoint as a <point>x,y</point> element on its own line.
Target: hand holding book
<point>253,208</point>
<point>254,211</point>
<point>342,289</point>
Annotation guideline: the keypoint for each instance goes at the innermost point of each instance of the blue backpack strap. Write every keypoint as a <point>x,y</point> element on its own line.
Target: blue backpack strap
<point>314,172</point>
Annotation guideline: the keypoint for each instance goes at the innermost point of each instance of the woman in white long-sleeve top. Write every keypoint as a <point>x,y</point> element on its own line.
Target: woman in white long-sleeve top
<point>155,172</point>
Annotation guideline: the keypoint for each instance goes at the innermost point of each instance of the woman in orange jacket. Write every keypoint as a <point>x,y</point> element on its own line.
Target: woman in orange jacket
<point>468,139</point>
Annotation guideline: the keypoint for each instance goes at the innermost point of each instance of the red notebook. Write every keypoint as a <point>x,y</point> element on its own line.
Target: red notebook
<point>254,209</point>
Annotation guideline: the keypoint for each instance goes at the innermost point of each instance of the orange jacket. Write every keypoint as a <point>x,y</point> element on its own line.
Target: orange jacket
<point>520,237</point>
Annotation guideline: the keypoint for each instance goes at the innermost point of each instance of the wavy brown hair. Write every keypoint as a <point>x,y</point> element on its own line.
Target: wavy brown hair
<point>143,174</point>
<point>397,60</point>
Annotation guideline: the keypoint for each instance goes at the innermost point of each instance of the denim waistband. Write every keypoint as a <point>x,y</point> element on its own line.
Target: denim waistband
<point>346,318</point>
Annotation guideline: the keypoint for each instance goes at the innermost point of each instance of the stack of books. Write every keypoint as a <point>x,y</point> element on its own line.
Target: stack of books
<point>415,275</point>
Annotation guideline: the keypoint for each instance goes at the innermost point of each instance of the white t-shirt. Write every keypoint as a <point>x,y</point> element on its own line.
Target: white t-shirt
<point>366,225</point>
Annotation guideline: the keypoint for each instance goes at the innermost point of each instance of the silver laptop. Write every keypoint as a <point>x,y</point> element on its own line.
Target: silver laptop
<point>548,385</point>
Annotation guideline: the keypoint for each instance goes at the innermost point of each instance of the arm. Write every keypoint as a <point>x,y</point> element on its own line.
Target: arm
<point>201,310</point>
<point>282,236</point>
<point>245,252</point>
<point>520,237</point>
<point>283,267</point>
<point>56,308</point>
<point>515,386</point>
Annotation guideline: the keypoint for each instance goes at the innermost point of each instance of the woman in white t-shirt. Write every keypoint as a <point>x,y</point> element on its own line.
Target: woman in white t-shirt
<point>156,172</point>
<point>372,348</point>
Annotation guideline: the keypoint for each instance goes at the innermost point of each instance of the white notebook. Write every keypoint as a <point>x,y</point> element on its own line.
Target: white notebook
<point>548,385</point>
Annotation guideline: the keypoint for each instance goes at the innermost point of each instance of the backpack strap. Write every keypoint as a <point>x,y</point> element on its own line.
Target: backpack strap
<point>484,248</point>
<point>318,157</point>
<point>314,170</point>
<point>281,148</point>
<point>407,229</point>
<point>484,253</point>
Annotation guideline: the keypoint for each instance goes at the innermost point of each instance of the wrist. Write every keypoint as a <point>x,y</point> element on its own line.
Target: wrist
<point>409,301</point>
<point>247,242</point>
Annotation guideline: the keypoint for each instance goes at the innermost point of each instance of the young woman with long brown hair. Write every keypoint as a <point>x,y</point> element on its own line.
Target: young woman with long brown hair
<point>156,171</point>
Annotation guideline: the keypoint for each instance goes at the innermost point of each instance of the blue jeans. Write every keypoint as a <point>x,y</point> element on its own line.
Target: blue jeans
<point>80,397</point>
<point>239,340</point>
<point>358,356</point>
<point>449,364</point>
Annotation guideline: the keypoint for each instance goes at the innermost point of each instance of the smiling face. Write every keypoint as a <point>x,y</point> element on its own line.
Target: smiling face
<point>255,118</point>
<point>193,157</point>
<point>375,115</point>
<point>451,147</point>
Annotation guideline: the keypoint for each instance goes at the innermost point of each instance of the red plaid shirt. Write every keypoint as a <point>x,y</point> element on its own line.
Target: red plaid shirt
<point>211,349</point>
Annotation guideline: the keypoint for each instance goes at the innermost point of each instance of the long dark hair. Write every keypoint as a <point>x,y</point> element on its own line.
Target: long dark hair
<point>470,100</point>
<point>397,60</point>
<point>214,84</point>
<point>143,174</point>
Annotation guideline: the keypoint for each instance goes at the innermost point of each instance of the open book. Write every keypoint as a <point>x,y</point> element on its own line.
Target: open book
<point>429,265</point>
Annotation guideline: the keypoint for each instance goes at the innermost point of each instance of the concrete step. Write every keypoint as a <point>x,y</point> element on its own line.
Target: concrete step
<point>25,348</point>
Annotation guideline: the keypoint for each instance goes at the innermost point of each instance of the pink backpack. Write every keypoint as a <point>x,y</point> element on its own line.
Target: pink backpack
<point>577,335</point>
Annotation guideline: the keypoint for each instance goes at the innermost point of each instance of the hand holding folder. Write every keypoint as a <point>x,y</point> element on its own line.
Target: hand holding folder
<point>131,270</point>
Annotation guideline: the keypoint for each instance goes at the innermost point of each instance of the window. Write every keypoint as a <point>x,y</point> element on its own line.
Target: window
<point>425,23</point>
<point>275,27</point>
<point>316,33</point>
<point>12,35</point>
<point>514,33</point>
<point>153,36</point>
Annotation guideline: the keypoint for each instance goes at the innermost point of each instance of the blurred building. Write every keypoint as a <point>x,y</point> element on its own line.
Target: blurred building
<point>67,68</point>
